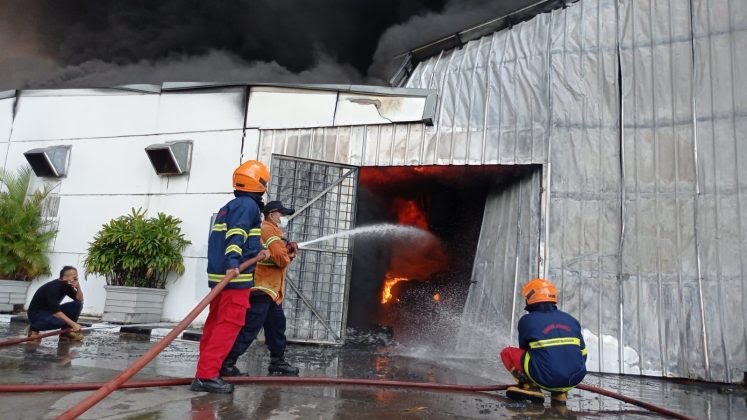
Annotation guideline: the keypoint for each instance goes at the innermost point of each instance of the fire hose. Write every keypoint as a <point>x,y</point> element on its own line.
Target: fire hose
<point>66,330</point>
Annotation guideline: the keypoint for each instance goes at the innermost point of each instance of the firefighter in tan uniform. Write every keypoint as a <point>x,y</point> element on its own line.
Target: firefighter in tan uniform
<point>266,299</point>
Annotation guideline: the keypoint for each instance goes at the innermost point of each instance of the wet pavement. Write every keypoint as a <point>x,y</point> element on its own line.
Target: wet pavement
<point>103,354</point>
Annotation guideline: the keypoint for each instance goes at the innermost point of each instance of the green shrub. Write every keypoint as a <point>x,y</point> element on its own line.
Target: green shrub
<point>24,233</point>
<point>136,251</point>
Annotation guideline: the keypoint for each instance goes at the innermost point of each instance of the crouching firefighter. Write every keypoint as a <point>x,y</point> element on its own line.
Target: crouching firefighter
<point>552,353</point>
<point>266,301</point>
<point>234,238</point>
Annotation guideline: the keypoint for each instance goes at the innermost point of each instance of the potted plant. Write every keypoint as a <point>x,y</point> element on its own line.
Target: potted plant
<point>25,235</point>
<point>135,254</point>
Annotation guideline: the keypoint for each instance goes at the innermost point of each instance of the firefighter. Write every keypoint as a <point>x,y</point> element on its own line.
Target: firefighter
<point>551,353</point>
<point>266,301</point>
<point>45,311</point>
<point>234,237</point>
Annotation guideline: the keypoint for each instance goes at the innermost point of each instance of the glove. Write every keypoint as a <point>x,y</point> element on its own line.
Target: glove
<point>292,248</point>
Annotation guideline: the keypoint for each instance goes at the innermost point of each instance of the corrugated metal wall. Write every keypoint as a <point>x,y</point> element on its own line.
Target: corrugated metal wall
<point>507,249</point>
<point>363,145</point>
<point>493,105</point>
<point>643,109</point>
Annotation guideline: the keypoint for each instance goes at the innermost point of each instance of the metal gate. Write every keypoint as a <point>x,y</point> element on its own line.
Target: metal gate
<point>323,195</point>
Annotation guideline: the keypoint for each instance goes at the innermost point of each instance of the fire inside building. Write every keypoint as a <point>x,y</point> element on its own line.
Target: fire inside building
<point>417,286</point>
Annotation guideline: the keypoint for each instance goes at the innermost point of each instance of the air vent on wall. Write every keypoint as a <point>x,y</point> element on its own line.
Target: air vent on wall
<point>170,158</point>
<point>49,162</point>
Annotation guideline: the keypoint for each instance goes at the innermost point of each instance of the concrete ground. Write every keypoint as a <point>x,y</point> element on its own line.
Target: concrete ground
<point>103,354</point>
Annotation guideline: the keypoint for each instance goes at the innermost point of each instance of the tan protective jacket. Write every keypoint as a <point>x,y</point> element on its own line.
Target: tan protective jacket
<point>269,276</point>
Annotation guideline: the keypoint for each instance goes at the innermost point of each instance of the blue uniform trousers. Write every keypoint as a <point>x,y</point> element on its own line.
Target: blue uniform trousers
<point>45,320</point>
<point>263,313</point>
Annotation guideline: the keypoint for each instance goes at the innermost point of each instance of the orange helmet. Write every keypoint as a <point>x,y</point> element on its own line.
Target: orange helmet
<point>251,176</point>
<point>539,290</point>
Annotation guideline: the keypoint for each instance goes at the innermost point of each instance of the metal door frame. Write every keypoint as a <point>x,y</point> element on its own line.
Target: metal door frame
<point>352,171</point>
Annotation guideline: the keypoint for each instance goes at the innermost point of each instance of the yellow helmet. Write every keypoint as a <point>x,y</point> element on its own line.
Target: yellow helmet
<point>539,290</point>
<point>251,176</point>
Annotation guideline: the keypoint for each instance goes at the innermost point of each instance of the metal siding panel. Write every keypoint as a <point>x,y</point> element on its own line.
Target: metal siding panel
<point>719,27</point>
<point>94,115</point>
<point>357,146</point>
<point>301,108</point>
<point>414,144</point>
<point>359,109</point>
<point>329,140</point>
<point>584,223</point>
<point>385,147</point>
<point>203,110</point>
<point>371,139</point>
<point>6,119</point>
<point>505,258</point>
<point>399,144</point>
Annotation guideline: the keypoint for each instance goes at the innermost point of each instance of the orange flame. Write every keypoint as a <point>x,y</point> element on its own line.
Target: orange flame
<point>386,295</point>
<point>412,259</point>
<point>409,213</point>
<point>437,297</point>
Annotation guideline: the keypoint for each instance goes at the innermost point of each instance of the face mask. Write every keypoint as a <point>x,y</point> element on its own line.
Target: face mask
<point>283,222</point>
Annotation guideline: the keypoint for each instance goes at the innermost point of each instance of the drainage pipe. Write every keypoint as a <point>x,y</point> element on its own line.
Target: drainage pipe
<point>286,380</point>
<point>140,363</point>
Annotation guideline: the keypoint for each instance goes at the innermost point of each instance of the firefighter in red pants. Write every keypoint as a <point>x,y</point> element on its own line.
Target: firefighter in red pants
<point>551,353</point>
<point>234,237</point>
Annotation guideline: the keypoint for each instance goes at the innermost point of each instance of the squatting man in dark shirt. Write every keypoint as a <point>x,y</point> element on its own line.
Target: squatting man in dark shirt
<point>45,311</point>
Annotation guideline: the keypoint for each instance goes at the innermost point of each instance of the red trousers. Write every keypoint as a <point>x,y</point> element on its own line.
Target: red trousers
<point>512,359</point>
<point>224,321</point>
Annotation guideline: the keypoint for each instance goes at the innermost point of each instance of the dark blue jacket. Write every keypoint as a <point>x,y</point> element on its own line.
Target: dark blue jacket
<point>234,238</point>
<point>556,352</point>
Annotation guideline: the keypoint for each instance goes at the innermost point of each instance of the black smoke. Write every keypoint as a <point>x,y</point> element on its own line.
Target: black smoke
<point>63,43</point>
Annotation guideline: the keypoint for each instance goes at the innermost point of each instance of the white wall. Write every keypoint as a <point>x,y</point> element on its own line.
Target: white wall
<point>109,172</point>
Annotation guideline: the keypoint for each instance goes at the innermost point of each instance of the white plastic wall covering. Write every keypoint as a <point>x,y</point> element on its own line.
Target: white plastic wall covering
<point>507,250</point>
<point>275,107</point>
<point>584,221</point>
<point>201,110</point>
<point>476,155</point>
<point>720,32</point>
<point>670,234</point>
<point>90,113</point>
<point>510,129</point>
<point>658,188</point>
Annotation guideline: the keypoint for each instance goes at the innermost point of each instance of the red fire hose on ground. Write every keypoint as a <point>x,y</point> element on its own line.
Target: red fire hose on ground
<point>285,380</point>
<point>63,331</point>
<point>104,389</point>
<point>36,337</point>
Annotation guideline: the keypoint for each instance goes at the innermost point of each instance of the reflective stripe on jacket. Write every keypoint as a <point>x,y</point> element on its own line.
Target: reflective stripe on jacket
<point>555,355</point>
<point>234,238</point>
<point>269,276</point>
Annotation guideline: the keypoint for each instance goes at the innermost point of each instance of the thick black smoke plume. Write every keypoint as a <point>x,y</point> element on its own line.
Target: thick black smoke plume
<point>63,43</point>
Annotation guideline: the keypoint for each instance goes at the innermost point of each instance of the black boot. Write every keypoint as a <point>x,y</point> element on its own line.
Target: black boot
<point>215,385</point>
<point>229,367</point>
<point>279,367</point>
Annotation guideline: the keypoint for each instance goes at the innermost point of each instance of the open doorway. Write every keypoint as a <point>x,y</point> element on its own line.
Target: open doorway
<point>416,288</point>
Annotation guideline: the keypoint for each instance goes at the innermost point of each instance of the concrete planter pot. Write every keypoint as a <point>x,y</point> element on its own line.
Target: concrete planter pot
<point>12,293</point>
<point>133,305</point>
